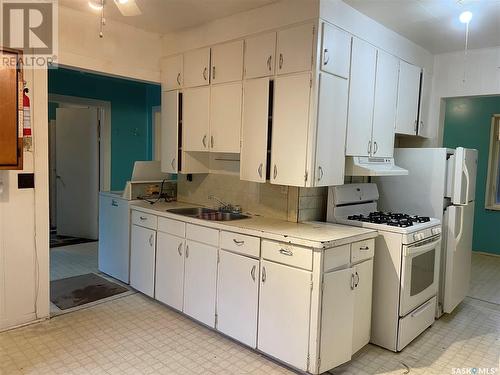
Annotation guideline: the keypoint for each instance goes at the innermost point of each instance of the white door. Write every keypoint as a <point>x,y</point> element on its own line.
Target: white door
<point>200,278</point>
<point>384,110</point>
<point>195,113</point>
<point>171,71</point>
<point>238,297</point>
<point>169,131</point>
<point>254,133</point>
<point>77,172</point>
<point>331,130</point>
<point>196,67</point>
<point>295,49</point>
<point>335,51</point>
<point>142,259</point>
<point>464,176</point>
<point>259,55</point>
<point>284,312</point>
<point>225,117</point>
<point>361,98</point>
<point>169,283</point>
<point>227,62</point>
<point>337,318</point>
<point>408,98</point>
<point>362,305</point>
<point>459,222</point>
<point>290,129</point>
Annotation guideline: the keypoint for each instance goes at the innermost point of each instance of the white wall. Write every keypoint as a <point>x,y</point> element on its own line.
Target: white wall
<point>124,51</point>
<point>482,77</point>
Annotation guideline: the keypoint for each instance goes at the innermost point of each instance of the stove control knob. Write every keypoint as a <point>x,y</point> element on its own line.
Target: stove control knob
<point>418,236</point>
<point>435,231</point>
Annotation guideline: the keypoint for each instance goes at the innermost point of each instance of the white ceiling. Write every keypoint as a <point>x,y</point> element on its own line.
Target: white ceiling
<point>433,24</point>
<point>165,16</point>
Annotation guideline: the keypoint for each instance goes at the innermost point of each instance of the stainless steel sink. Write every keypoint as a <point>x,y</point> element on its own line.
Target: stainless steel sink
<point>207,214</point>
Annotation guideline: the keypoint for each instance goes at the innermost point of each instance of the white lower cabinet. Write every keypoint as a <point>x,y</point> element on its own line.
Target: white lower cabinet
<point>200,278</point>
<point>238,297</point>
<point>284,313</point>
<point>169,282</point>
<point>363,273</point>
<point>142,259</point>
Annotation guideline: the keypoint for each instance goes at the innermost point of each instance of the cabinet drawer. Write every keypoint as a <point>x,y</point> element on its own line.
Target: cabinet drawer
<point>415,323</point>
<point>202,234</point>
<point>240,243</point>
<point>336,257</point>
<point>287,254</point>
<point>362,250</point>
<point>174,227</point>
<point>144,219</point>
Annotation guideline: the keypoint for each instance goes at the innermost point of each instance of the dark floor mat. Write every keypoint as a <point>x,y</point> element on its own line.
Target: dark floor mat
<point>79,290</point>
<point>58,241</point>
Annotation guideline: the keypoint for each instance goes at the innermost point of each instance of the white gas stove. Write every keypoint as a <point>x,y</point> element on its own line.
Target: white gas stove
<point>406,263</point>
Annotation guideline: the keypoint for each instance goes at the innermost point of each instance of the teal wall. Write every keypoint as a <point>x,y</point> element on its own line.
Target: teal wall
<point>468,124</point>
<point>131,114</point>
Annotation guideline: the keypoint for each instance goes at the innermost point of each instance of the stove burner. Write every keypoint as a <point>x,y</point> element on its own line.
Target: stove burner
<point>389,218</point>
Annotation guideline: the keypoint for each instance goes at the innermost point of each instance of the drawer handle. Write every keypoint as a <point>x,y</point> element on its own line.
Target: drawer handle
<point>286,252</point>
<point>364,248</point>
<point>238,243</point>
<point>114,203</point>
<point>179,249</point>
<point>143,218</point>
<point>264,276</point>
<point>252,273</point>
<point>420,310</point>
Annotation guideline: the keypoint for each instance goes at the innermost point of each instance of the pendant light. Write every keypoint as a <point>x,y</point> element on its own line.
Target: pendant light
<point>465,18</point>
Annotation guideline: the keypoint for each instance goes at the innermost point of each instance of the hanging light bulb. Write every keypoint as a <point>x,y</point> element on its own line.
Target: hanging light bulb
<point>465,17</point>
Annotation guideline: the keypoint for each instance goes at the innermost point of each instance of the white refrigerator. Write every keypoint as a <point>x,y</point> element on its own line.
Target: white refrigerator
<point>441,183</point>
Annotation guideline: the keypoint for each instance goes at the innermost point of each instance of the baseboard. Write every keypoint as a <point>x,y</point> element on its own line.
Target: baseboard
<point>485,253</point>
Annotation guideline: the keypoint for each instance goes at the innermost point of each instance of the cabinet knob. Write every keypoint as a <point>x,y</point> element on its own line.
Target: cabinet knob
<point>357,280</point>
<point>179,249</point>
<point>260,170</point>
<point>369,147</point>
<point>238,243</point>
<point>264,276</point>
<point>269,60</point>
<point>205,71</point>
<point>213,72</point>
<point>187,251</point>
<point>353,283</point>
<point>364,248</point>
<point>173,164</point>
<point>151,240</point>
<point>375,147</point>
<point>204,141</point>
<point>179,79</point>
<point>252,272</point>
<point>326,56</point>
<point>286,252</point>
<point>143,218</point>
<point>320,173</point>
<point>281,61</point>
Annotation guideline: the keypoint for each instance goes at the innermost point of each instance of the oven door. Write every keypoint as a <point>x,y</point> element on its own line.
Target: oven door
<point>419,278</point>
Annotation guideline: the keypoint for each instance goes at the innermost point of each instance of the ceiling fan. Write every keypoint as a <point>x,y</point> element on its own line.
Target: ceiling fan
<point>127,8</point>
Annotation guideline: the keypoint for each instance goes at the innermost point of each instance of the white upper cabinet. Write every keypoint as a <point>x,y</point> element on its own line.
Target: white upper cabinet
<point>361,98</point>
<point>225,117</point>
<point>408,98</point>
<point>196,109</point>
<point>290,129</point>
<point>171,73</point>
<point>197,67</point>
<point>169,131</point>
<point>425,129</point>
<point>227,62</point>
<point>384,111</point>
<point>335,51</point>
<point>260,55</point>
<point>295,49</point>
<point>331,130</point>
<point>254,134</point>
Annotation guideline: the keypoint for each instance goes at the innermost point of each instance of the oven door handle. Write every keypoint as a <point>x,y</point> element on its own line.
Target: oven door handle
<point>420,249</point>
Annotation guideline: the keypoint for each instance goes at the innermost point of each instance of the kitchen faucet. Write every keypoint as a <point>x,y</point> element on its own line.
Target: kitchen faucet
<point>223,206</point>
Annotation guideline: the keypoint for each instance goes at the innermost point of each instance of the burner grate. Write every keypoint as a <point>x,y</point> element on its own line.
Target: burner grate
<point>390,218</point>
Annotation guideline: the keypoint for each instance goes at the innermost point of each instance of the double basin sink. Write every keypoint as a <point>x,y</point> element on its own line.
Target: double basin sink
<point>207,214</point>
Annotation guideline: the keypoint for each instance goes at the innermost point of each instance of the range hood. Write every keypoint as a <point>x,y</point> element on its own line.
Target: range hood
<point>366,166</point>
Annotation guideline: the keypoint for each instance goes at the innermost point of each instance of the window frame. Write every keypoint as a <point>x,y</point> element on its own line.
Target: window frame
<point>492,181</point>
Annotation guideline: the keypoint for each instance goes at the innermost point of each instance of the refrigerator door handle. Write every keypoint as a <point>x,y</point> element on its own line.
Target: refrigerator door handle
<point>467,180</point>
<point>460,233</point>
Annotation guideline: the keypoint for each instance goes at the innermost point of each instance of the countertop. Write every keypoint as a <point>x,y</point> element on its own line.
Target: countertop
<point>318,235</point>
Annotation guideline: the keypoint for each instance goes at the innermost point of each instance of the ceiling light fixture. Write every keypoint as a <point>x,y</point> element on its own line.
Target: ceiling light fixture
<point>465,17</point>
<point>95,5</point>
<point>123,1</point>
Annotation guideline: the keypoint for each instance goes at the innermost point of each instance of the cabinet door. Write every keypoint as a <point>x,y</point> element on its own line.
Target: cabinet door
<point>200,277</point>
<point>142,259</point>
<point>295,49</point>
<point>169,286</point>
<point>238,297</point>
<point>384,111</point>
<point>284,312</point>
<point>10,152</point>
<point>195,112</point>
<point>197,67</point>
<point>255,130</point>
<point>227,62</point>
<point>337,318</point>
<point>424,128</point>
<point>408,98</point>
<point>361,98</point>
<point>225,117</point>
<point>335,51</point>
<point>169,131</point>
<point>259,55</point>
<point>171,73</point>
<point>290,129</point>
<point>362,305</point>
<point>331,130</point>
